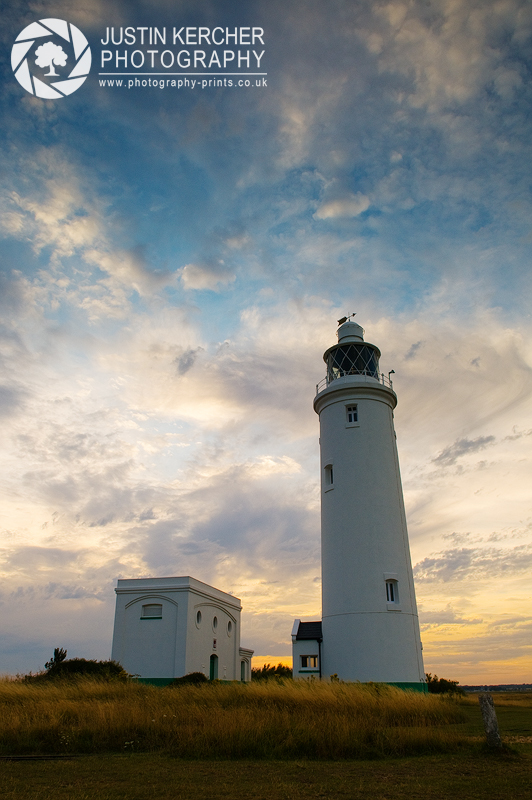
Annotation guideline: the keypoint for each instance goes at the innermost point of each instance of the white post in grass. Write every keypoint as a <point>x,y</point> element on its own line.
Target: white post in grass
<point>489,717</point>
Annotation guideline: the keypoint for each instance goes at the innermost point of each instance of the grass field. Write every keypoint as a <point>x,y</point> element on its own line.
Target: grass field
<point>257,720</point>
<point>145,777</point>
<point>375,743</point>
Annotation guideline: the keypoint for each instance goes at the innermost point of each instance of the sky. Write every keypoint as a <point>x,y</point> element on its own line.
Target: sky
<point>173,264</point>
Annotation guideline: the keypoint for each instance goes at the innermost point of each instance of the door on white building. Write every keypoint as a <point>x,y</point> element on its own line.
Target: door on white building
<point>213,671</point>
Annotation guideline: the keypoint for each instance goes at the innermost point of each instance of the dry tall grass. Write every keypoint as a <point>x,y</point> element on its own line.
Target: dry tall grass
<point>257,720</point>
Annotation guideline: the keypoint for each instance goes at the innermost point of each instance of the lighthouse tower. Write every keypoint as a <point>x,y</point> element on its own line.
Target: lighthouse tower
<point>369,629</point>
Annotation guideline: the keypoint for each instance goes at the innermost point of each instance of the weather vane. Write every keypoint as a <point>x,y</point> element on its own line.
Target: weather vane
<point>344,319</point>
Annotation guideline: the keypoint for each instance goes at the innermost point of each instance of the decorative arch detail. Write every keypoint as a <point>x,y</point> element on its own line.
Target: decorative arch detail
<point>150,597</point>
<point>218,607</point>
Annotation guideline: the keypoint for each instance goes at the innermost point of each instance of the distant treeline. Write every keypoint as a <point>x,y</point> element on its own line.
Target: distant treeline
<point>501,687</point>
<point>269,671</point>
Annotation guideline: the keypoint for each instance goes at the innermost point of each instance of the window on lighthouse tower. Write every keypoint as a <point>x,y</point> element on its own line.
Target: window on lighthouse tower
<point>352,415</point>
<point>392,594</point>
<point>329,477</point>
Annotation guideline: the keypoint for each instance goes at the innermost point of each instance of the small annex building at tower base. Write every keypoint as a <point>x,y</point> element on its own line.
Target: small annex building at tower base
<point>308,659</point>
<point>169,627</point>
<point>306,649</point>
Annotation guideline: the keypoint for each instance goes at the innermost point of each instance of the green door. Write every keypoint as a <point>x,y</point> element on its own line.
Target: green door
<point>213,672</point>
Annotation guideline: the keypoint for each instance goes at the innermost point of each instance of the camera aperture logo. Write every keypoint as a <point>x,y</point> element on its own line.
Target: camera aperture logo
<point>51,58</point>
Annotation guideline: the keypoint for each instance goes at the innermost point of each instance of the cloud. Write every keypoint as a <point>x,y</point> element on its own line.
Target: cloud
<point>93,12</point>
<point>413,350</point>
<point>206,275</point>
<point>59,210</point>
<point>474,563</point>
<point>443,52</point>
<point>33,559</point>
<point>462,447</point>
<point>447,616</point>
<point>129,268</point>
<point>518,434</point>
<point>349,206</point>
<point>11,400</point>
<point>186,360</point>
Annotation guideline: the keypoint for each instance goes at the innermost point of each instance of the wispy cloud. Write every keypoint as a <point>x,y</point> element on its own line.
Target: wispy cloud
<point>349,206</point>
<point>461,447</point>
<point>464,563</point>
<point>206,276</point>
<point>444,617</point>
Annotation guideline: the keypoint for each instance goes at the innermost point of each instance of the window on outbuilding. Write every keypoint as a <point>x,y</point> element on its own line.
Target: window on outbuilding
<point>309,662</point>
<point>152,611</point>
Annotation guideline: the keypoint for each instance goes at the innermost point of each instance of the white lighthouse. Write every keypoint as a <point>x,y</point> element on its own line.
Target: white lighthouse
<point>369,629</point>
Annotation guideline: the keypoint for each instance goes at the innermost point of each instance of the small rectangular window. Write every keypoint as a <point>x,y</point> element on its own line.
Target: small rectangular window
<point>329,477</point>
<point>152,611</point>
<point>351,414</point>
<point>392,595</point>
<point>309,662</point>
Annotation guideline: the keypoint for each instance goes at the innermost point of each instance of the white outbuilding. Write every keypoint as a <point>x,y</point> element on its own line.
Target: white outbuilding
<point>369,629</point>
<point>169,627</point>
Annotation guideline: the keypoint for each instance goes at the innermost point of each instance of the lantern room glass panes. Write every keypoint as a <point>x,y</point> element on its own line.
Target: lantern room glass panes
<point>352,359</point>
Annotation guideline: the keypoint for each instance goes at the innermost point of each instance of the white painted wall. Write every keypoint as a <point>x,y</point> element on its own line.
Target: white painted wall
<point>178,643</point>
<point>245,663</point>
<point>304,647</point>
<point>364,539</point>
<point>204,639</point>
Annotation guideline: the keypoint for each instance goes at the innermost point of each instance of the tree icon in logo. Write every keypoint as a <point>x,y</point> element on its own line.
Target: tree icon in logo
<point>51,54</point>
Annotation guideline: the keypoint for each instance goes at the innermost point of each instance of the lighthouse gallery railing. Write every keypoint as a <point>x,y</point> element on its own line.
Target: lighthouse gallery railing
<point>370,376</point>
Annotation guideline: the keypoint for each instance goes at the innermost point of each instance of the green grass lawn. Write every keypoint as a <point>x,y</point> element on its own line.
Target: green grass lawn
<point>514,714</point>
<point>471,776</point>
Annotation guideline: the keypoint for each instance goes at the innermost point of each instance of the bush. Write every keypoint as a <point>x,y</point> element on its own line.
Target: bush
<point>59,655</point>
<point>193,678</point>
<point>442,686</point>
<point>267,671</point>
<point>59,667</point>
<point>108,670</point>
